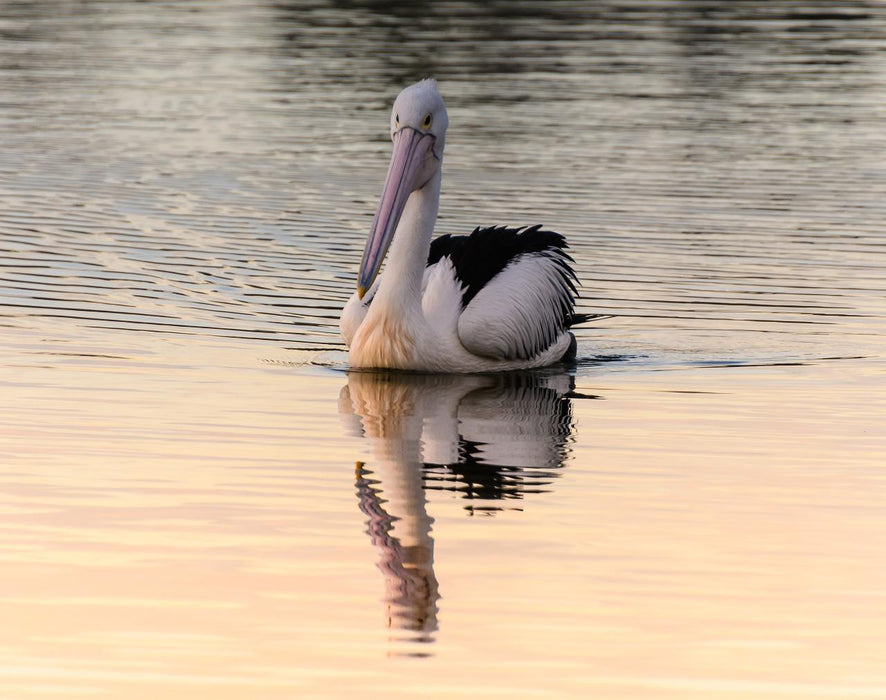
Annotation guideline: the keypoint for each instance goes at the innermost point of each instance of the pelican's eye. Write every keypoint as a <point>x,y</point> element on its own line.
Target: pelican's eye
<point>426,122</point>
<point>397,120</point>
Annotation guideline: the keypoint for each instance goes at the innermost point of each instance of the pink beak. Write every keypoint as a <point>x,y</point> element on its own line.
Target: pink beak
<point>411,149</point>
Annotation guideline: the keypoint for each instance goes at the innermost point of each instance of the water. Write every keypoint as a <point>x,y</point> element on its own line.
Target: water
<point>198,499</point>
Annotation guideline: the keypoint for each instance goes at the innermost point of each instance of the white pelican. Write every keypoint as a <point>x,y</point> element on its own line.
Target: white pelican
<point>498,299</point>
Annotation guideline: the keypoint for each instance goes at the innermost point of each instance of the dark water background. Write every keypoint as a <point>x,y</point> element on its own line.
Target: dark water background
<point>211,168</point>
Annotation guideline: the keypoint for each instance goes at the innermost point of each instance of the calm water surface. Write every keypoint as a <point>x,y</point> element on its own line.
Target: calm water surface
<point>199,501</point>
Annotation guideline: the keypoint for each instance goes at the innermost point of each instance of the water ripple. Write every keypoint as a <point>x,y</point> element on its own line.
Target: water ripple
<point>213,172</point>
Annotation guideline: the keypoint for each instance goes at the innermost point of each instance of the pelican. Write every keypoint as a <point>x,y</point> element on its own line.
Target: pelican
<point>497,299</point>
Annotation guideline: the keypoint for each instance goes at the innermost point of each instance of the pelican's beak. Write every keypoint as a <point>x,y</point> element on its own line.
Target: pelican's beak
<point>409,170</point>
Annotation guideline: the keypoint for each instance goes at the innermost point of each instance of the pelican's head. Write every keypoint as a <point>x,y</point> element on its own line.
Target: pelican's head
<point>420,108</point>
<point>418,130</point>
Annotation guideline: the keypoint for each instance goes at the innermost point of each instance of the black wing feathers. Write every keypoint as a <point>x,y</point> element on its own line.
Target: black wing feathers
<point>485,253</point>
<point>479,257</point>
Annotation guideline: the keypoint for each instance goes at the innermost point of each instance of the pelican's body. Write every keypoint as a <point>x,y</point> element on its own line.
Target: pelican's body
<point>499,299</point>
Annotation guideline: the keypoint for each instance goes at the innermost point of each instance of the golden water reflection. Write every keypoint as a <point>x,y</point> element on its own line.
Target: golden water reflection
<point>486,438</point>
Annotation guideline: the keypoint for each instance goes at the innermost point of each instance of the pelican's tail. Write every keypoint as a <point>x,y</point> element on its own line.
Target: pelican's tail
<point>585,318</point>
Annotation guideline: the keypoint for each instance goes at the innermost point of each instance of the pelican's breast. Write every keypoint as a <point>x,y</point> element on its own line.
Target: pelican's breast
<point>382,341</point>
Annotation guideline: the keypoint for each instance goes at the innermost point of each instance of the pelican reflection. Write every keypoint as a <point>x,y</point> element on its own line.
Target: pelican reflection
<point>487,438</point>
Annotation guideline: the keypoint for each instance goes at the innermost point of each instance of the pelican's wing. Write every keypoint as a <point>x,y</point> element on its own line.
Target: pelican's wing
<point>518,289</point>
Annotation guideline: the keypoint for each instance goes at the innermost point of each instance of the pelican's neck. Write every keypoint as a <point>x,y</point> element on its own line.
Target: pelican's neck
<point>400,286</point>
